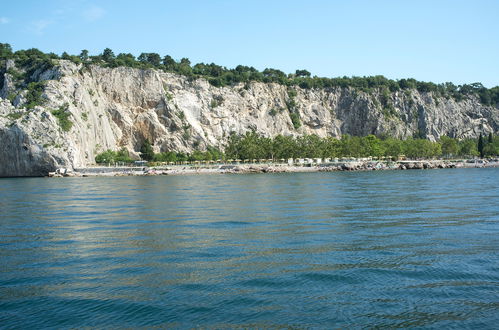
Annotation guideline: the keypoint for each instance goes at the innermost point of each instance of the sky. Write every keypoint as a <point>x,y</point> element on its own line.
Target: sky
<point>437,40</point>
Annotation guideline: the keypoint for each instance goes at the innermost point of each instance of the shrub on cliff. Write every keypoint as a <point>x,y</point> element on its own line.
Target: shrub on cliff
<point>295,119</point>
<point>62,114</point>
<point>34,95</point>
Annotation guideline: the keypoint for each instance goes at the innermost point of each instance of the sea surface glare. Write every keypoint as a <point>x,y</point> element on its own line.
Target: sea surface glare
<point>365,249</point>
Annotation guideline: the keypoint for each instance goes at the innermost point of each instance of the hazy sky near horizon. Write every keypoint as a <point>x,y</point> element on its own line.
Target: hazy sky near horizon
<point>430,40</point>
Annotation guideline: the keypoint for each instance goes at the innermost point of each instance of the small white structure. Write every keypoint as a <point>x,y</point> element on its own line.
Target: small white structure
<point>290,161</point>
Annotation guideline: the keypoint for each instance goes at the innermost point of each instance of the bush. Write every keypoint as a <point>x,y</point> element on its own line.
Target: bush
<point>295,119</point>
<point>34,95</point>
<point>14,115</point>
<point>62,115</point>
<point>216,101</point>
<point>113,157</point>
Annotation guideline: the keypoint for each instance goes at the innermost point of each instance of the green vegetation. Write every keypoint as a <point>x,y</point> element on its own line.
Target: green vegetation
<point>481,144</point>
<point>254,146</point>
<point>211,153</point>
<point>62,114</point>
<point>34,95</point>
<point>187,134</point>
<point>169,96</point>
<point>16,75</point>
<point>216,101</point>
<point>291,105</point>
<point>11,97</point>
<point>146,151</point>
<point>14,115</point>
<point>27,62</point>
<point>113,157</point>
<point>295,119</point>
<point>491,148</point>
<point>32,59</point>
<point>273,112</point>
<point>389,111</point>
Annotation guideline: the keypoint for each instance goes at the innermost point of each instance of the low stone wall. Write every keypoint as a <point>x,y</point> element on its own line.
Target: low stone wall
<point>95,170</point>
<point>277,168</point>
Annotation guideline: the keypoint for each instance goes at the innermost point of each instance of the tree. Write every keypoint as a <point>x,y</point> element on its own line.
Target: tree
<point>468,147</point>
<point>150,58</point>
<point>5,51</point>
<point>123,156</point>
<point>372,146</point>
<point>332,147</point>
<point>302,73</point>
<point>125,59</point>
<point>65,56</point>
<point>351,146</point>
<point>107,156</point>
<point>421,148</point>
<point>284,147</point>
<point>491,149</point>
<point>480,145</point>
<point>274,75</point>
<point>154,59</point>
<point>84,55</point>
<point>107,55</point>
<point>146,151</point>
<point>449,146</point>
<point>393,147</point>
<point>184,68</point>
<point>185,61</point>
<point>310,146</point>
<point>169,62</point>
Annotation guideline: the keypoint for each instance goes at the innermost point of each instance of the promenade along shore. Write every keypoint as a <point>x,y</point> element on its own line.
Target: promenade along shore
<point>291,166</point>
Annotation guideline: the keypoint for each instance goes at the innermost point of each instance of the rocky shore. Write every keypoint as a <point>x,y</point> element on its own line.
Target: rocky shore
<point>273,168</point>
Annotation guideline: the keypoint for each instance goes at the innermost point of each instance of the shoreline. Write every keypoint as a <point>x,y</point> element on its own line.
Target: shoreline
<point>273,168</point>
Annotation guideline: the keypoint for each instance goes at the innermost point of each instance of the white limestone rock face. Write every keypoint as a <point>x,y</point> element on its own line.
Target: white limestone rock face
<point>113,108</point>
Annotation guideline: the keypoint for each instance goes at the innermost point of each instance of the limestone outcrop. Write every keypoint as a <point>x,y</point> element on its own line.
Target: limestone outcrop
<point>113,108</point>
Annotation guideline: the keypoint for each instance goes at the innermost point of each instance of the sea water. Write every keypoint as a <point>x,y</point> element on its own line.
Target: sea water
<point>364,249</point>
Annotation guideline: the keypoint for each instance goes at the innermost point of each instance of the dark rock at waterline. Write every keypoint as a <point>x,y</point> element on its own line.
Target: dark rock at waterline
<point>20,156</point>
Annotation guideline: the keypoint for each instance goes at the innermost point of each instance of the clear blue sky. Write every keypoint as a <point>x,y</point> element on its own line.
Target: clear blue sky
<point>437,40</point>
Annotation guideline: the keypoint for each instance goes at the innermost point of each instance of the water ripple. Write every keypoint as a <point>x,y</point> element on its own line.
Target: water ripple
<point>323,250</point>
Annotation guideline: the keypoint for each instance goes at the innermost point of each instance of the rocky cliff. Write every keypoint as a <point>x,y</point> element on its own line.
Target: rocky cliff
<point>112,108</point>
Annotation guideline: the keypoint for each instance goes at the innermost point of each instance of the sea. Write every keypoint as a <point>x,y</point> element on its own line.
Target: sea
<point>416,249</point>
